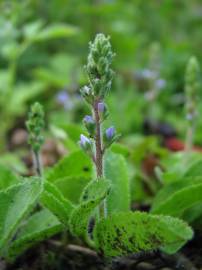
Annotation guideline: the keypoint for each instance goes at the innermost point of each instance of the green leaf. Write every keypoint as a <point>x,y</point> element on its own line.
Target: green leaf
<point>169,189</point>
<point>31,29</point>
<point>20,97</point>
<point>77,163</point>
<point>55,31</point>
<point>92,196</point>
<point>179,201</point>
<point>40,226</point>
<point>15,203</point>
<point>72,186</point>
<point>120,149</point>
<point>53,199</point>
<point>194,170</point>
<point>94,189</point>
<point>133,232</point>
<point>193,214</point>
<point>7,178</point>
<point>116,172</point>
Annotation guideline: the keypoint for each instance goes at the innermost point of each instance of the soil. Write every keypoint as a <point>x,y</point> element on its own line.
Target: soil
<point>51,255</point>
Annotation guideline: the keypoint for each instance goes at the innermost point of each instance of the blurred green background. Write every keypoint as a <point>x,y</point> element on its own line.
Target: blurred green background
<point>44,46</point>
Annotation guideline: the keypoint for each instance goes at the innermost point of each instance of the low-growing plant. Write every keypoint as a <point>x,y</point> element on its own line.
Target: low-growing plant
<point>72,195</point>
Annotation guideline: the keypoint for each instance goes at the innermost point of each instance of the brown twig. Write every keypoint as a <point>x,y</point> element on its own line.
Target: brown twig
<point>75,248</point>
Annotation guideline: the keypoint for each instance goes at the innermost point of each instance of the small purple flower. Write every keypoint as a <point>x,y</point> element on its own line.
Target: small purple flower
<point>148,74</point>
<point>88,119</point>
<point>160,83</point>
<point>101,107</point>
<point>64,99</point>
<point>84,141</point>
<point>110,132</point>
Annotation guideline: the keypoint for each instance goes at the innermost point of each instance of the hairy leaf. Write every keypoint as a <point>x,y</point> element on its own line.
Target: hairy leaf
<point>169,189</point>
<point>179,201</point>
<point>40,226</point>
<point>132,232</point>
<point>195,169</point>
<point>75,164</point>
<point>92,196</point>
<point>53,199</point>
<point>71,187</point>
<point>15,204</point>
<point>116,173</point>
<point>7,178</point>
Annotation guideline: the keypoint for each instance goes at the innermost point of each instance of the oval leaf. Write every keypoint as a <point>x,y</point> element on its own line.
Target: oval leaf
<point>133,232</point>
<point>15,203</point>
<point>177,203</point>
<point>39,226</point>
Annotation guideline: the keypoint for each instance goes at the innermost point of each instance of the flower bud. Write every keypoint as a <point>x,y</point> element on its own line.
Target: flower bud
<point>35,125</point>
<point>101,107</point>
<point>110,136</point>
<point>97,86</point>
<point>98,66</point>
<point>110,132</point>
<point>89,124</point>
<point>85,143</point>
<point>102,110</point>
<point>87,94</point>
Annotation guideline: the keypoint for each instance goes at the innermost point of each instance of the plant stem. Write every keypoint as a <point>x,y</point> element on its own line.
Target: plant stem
<point>37,163</point>
<point>39,171</point>
<point>98,143</point>
<point>98,152</point>
<point>189,138</point>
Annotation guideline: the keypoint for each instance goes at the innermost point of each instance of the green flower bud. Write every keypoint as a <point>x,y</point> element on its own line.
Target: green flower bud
<point>35,125</point>
<point>87,94</point>
<point>98,66</point>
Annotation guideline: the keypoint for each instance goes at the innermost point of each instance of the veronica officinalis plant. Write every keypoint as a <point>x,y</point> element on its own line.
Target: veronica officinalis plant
<point>100,77</point>
<point>116,231</point>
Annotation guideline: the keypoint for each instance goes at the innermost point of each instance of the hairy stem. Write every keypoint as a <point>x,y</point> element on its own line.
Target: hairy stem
<point>37,163</point>
<point>98,143</point>
<point>98,151</point>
